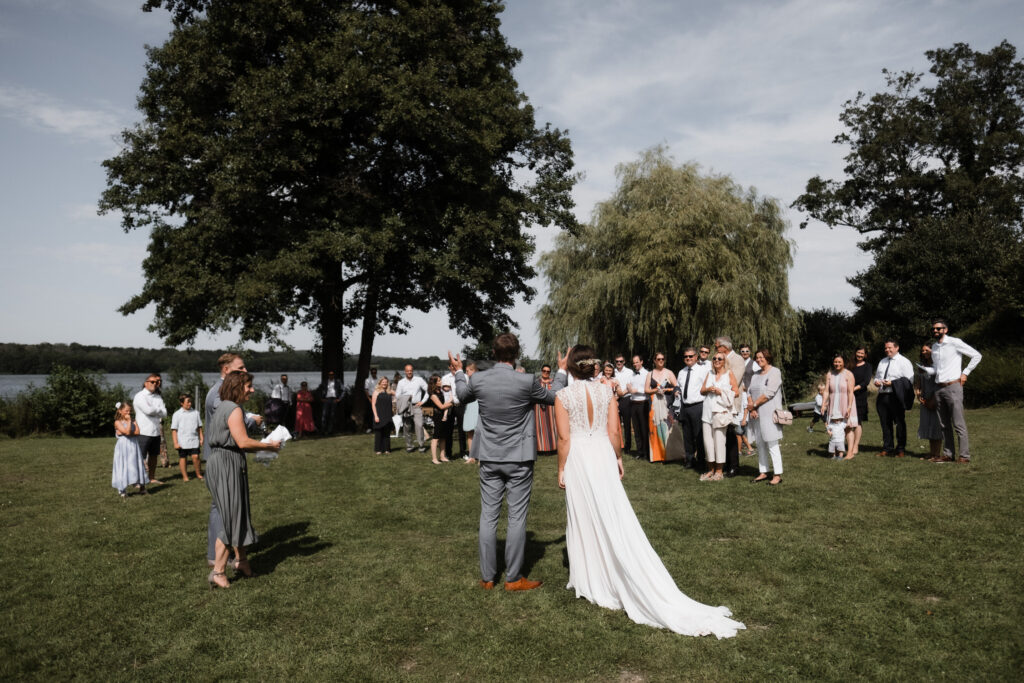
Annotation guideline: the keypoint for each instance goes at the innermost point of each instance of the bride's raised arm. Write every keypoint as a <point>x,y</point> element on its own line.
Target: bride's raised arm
<point>562,427</point>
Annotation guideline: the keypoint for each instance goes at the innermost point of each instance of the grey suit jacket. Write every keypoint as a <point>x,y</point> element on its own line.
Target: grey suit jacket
<point>505,431</point>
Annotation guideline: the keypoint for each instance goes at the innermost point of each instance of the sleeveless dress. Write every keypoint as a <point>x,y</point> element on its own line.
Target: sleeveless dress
<point>544,417</point>
<point>929,427</point>
<point>611,562</point>
<point>658,419</point>
<point>129,465</point>
<point>838,398</point>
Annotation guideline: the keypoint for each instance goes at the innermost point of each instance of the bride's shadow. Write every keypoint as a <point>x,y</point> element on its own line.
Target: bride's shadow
<point>532,554</point>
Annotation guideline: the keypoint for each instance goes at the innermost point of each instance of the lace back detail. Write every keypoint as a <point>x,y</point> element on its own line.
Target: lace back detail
<point>574,398</point>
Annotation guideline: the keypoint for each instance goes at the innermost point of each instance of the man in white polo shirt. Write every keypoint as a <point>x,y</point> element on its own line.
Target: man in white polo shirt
<point>950,376</point>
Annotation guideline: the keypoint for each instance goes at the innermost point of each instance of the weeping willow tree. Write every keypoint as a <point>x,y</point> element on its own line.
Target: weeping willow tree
<point>673,259</point>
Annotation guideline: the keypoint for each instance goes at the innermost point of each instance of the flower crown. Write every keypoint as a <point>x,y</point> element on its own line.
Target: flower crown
<point>587,363</point>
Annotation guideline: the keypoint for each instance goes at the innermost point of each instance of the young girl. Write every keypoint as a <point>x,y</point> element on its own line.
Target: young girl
<point>129,465</point>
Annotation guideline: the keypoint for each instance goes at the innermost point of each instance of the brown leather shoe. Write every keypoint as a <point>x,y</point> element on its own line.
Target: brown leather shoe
<point>486,585</point>
<point>881,454</point>
<point>941,458</point>
<point>964,461</point>
<point>523,584</point>
<point>900,454</point>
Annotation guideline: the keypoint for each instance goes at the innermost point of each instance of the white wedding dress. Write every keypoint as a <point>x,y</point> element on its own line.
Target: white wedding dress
<point>611,562</point>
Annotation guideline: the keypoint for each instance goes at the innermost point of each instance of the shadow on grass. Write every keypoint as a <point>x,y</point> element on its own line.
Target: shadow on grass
<point>533,553</point>
<point>282,542</point>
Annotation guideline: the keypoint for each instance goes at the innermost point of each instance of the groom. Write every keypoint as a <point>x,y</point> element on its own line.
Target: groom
<point>505,445</point>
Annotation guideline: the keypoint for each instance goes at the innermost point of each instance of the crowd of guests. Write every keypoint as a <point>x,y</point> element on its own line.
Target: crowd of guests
<point>721,402</point>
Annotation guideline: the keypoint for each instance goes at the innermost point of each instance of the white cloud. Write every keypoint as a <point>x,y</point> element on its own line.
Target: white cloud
<point>44,112</point>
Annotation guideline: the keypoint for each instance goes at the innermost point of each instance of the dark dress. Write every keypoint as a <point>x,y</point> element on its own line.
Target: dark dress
<point>382,427</point>
<point>862,375</point>
<point>227,478</point>
<point>442,418</point>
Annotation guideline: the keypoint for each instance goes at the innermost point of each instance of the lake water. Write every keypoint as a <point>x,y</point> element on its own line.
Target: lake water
<point>12,385</point>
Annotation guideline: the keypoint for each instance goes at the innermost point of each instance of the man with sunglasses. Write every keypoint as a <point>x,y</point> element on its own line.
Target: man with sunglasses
<point>950,375</point>
<point>691,410</point>
<point>149,411</point>
<point>623,375</point>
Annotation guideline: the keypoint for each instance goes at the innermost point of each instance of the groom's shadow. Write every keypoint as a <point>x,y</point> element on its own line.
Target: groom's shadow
<point>532,554</point>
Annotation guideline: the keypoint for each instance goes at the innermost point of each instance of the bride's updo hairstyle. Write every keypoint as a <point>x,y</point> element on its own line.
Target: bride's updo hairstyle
<point>582,361</point>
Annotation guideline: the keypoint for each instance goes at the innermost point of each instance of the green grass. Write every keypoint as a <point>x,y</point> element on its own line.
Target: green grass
<point>871,569</point>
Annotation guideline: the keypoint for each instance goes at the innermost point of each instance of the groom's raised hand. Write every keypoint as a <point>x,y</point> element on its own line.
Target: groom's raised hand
<point>454,362</point>
<point>563,361</point>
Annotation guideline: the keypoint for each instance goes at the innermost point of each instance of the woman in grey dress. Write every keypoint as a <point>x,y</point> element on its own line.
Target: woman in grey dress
<point>227,475</point>
<point>924,385</point>
<point>765,397</point>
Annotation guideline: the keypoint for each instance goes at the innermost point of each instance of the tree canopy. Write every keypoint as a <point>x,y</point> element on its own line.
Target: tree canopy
<point>329,162</point>
<point>935,181</point>
<point>673,258</point>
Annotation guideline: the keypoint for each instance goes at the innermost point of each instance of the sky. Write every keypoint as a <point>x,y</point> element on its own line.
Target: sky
<point>752,89</point>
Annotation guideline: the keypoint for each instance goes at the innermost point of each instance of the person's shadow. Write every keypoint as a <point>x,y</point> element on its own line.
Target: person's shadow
<point>282,542</point>
<point>532,554</point>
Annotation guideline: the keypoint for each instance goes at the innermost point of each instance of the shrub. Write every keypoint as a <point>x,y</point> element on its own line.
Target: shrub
<point>999,378</point>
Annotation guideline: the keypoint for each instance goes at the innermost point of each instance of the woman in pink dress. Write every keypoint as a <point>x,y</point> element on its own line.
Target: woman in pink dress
<point>304,411</point>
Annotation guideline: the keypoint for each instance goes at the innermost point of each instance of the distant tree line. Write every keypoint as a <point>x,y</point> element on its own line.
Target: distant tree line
<point>40,359</point>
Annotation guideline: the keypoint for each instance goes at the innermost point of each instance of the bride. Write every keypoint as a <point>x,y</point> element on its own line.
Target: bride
<point>611,562</point>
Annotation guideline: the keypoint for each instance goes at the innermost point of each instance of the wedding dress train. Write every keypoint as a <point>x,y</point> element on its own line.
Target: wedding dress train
<point>611,562</point>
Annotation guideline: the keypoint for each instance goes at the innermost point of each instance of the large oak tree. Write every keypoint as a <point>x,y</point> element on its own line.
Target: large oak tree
<point>329,162</point>
<point>934,180</point>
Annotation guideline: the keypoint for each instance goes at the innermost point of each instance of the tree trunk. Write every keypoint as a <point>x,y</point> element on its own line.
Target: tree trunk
<point>360,405</point>
<point>332,336</point>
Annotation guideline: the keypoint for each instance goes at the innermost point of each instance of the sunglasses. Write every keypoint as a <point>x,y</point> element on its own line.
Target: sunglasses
<point>659,359</point>
<point>718,358</point>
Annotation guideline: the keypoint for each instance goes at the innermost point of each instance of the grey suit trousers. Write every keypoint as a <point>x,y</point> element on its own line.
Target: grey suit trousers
<point>950,399</point>
<point>498,480</point>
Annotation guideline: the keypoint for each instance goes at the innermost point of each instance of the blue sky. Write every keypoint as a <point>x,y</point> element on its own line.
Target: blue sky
<point>752,89</point>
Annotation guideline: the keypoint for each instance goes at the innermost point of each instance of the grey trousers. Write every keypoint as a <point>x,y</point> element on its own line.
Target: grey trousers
<point>950,401</point>
<point>413,420</point>
<point>514,481</point>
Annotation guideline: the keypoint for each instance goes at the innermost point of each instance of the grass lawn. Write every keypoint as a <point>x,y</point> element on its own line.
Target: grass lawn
<point>870,569</point>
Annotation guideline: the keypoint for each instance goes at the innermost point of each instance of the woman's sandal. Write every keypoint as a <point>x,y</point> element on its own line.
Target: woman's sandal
<point>776,483</point>
<point>214,579</point>
<point>760,479</point>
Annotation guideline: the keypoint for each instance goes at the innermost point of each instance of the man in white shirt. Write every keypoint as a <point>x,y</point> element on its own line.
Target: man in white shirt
<point>149,410</point>
<point>280,403</point>
<point>702,356</point>
<point>891,411</point>
<point>638,408</point>
<point>950,376</point>
<point>748,365</point>
<point>330,392</point>
<point>622,376</point>
<point>691,377</point>
<point>410,395</point>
